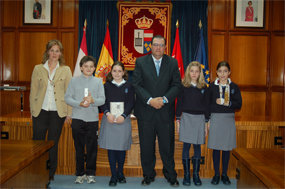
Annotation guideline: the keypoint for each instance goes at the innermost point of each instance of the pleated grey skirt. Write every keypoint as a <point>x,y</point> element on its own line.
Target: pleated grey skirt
<point>115,136</point>
<point>192,128</point>
<point>222,133</point>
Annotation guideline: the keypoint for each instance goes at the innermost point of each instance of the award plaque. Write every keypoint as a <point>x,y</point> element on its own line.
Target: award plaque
<point>117,108</point>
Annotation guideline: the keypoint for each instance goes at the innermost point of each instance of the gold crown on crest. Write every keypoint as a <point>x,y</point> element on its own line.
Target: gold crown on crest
<point>144,22</point>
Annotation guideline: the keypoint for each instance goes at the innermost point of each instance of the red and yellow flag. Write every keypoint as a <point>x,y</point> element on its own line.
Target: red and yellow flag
<point>106,58</point>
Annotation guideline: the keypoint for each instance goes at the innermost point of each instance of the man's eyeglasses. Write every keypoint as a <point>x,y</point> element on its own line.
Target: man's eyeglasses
<point>158,45</point>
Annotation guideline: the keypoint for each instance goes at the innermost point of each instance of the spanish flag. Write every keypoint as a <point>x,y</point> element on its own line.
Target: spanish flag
<point>106,58</point>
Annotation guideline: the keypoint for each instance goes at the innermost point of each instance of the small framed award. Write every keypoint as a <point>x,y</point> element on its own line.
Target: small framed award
<point>117,108</point>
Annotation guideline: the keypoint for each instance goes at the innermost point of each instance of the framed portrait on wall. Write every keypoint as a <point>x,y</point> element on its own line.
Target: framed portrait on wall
<point>249,13</point>
<point>37,12</point>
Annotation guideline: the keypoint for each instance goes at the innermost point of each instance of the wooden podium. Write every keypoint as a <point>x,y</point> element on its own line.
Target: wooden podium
<point>24,164</point>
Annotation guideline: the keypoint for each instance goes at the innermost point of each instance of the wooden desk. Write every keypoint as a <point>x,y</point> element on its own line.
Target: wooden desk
<point>260,168</point>
<point>24,164</point>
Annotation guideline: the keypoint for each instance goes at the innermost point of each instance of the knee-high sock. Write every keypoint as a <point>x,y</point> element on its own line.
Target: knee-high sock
<point>216,160</point>
<point>225,160</point>
<point>112,162</point>
<point>121,155</point>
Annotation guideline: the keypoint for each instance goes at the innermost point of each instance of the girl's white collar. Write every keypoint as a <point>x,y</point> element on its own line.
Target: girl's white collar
<point>119,84</point>
<point>217,81</point>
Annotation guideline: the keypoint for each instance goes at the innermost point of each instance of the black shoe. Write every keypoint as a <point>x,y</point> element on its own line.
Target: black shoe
<point>147,180</point>
<point>174,183</point>
<point>225,179</point>
<point>51,178</point>
<point>215,180</point>
<point>196,179</point>
<point>186,180</point>
<point>122,179</point>
<point>113,181</point>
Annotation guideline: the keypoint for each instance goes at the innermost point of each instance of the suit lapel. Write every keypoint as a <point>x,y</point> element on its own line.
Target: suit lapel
<point>163,66</point>
<point>151,66</point>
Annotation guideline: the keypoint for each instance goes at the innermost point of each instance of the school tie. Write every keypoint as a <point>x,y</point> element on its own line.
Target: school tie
<point>157,67</point>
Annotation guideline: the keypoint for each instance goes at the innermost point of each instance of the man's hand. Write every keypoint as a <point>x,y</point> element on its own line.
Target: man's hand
<point>156,103</point>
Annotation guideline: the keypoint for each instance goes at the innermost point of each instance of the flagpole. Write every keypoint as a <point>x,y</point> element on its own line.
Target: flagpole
<point>177,24</point>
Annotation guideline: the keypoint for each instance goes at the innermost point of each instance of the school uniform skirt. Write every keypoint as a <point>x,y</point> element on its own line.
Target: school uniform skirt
<point>192,128</point>
<point>115,136</point>
<point>222,133</point>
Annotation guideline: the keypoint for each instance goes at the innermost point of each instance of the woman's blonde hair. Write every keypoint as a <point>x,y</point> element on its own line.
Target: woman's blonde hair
<point>186,82</point>
<point>49,45</point>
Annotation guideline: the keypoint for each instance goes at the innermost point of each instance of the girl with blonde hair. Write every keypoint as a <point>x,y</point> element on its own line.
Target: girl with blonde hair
<point>192,118</point>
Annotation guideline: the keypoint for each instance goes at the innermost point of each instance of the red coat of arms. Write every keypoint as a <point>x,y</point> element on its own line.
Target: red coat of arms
<point>138,23</point>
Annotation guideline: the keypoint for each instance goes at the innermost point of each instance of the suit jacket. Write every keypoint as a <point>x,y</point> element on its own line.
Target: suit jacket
<point>39,84</point>
<point>147,84</point>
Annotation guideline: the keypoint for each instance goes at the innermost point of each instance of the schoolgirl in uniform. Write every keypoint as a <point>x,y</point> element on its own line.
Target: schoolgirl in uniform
<point>116,131</point>
<point>192,117</point>
<point>225,99</point>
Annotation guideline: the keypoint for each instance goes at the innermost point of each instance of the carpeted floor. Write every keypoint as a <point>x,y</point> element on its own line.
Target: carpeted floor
<point>67,181</point>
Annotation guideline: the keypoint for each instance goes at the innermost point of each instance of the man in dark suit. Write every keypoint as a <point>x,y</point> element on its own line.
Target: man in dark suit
<point>157,82</point>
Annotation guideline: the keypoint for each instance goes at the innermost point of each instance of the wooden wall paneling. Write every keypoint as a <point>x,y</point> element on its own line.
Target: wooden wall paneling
<point>217,51</point>
<point>232,14</point>
<point>68,13</point>
<point>10,13</point>
<point>218,11</point>
<point>55,12</point>
<point>277,106</point>
<point>277,60</point>
<point>253,104</point>
<point>31,48</point>
<point>1,46</point>
<point>278,15</point>
<point>248,56</point>
<point>8,57</point>
<point>67,39</point>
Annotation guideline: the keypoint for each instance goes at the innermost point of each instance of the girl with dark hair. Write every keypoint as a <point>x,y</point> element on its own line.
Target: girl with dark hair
<point>225,98</point>
<point>116,129</point>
